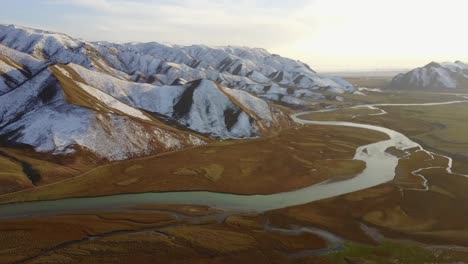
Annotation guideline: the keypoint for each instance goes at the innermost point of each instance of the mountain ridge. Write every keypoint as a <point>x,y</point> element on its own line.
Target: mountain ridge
<point>60,95</point>
<point>434,76</point>
<point>246,68</point>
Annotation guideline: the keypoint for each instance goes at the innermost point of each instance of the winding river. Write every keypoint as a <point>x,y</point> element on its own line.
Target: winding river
<point>380,169</point>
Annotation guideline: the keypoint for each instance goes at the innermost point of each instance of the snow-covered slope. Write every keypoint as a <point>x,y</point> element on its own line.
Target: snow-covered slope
<point>15,68</point>
<point>201,105</point>
<point>250,69</point>
<point>63,95</point>
<point>43,114</point>
<point>53,47</point>
<point>446,75</point>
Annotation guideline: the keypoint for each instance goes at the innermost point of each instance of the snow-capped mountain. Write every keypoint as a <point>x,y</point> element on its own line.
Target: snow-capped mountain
<point>446,75</point>
<point>62,95</point>
<point>55,115</point>
<point>202,105</point>
<point>251,69</point>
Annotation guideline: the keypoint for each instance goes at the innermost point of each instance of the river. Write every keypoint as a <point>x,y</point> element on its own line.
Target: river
<point>380,168</point>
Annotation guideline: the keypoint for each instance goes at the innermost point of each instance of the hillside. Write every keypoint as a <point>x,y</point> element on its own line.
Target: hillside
<point>434,76</point>
<point>55,114</point>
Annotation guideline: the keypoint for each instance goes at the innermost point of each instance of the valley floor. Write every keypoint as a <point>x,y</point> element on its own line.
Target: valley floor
<point>419,217</point>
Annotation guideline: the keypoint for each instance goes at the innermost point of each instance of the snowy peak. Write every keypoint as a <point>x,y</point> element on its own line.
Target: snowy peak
<point>52,47</point>
<point>238,67</point>
<point>202,105</point>
<point>39,43</point>
<point>249,69</point>
<point>445,75</point>
<point>456,66</point>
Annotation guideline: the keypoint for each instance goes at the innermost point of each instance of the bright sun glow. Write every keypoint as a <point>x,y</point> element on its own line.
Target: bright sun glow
<point>369,34</point>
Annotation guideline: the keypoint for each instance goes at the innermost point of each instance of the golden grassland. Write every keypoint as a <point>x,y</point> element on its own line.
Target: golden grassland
<point>295,158</point>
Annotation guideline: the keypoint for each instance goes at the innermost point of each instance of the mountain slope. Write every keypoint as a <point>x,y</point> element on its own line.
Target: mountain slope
<point>51,46</point>
<point>446,75</point>
<point>201,105</point>
<point>64,96</point>
<point>251,69</point>
<point>54,114</point>
<point>16,68</point>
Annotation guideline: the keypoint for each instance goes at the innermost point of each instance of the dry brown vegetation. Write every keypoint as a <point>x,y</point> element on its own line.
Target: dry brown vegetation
<point>26,238</point>
<point>123,237</point>
<point>13,176</point>
<point>295,158</point>
<point>188,210</point>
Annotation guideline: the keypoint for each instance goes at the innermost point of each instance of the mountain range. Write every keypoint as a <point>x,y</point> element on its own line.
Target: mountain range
<point>62,96</point>
<point>434,76</point>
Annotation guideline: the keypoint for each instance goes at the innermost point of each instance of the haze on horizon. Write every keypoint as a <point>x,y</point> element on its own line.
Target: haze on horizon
<point>330,35</point>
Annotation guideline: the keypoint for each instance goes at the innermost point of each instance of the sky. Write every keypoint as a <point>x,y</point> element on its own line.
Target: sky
<point>329,35</point>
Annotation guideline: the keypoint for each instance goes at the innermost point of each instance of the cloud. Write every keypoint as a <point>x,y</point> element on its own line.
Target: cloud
<point>329,33</point>
<point>108,5</point>
<point>270,24</point>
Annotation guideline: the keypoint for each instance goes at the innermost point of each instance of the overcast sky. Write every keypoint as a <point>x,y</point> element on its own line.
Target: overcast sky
<point>328,34</point>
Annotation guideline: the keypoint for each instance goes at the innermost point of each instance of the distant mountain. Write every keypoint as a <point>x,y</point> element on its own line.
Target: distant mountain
<point>433,76</point>
<point>62,95</point>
